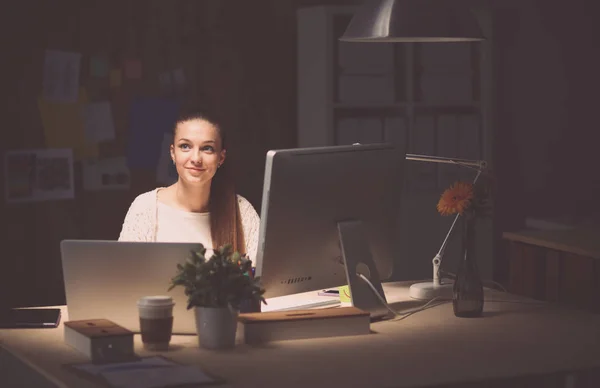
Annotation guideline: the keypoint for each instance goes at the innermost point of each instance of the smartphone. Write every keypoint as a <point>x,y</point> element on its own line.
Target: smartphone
<point>29,318</point>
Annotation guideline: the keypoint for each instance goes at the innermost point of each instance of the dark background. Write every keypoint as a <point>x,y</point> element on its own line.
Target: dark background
<point>240,57</point>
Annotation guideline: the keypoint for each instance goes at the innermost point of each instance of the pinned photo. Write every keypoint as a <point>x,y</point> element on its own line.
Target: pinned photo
<point>39,175</point>
<point>106,174</point>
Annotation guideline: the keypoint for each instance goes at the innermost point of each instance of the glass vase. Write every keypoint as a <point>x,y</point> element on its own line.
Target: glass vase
<point>467,299</point>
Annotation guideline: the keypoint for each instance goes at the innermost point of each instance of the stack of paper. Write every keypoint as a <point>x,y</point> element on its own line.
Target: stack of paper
<point>151,372</point>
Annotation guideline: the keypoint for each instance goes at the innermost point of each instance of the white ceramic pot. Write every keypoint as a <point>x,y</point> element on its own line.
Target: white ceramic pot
<point>216,327</point>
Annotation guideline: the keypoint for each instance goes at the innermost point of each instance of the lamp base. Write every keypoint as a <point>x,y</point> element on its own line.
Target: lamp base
<point>426,290</point>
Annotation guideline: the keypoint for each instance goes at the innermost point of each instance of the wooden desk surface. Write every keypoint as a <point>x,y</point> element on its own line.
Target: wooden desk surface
<point>515,337</point>
<point>580,241</point>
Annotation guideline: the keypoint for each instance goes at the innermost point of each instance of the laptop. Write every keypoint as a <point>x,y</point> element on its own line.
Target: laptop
<point>105,279</point>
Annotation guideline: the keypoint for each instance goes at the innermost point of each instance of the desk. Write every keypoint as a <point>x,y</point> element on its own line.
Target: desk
<point>515,339</point>
<point>556,265</point>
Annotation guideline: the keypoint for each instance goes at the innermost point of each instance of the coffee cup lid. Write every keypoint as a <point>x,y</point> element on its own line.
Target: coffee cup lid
<point>155,301</point>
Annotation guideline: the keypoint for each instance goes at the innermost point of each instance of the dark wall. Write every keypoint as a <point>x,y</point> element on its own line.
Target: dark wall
<point>546,80</point>
<point>578,35</point>
<point>238,58</point>
<point>546,105</point>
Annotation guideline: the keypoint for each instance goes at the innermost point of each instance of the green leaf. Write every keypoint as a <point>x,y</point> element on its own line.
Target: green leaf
<point>219,281</point>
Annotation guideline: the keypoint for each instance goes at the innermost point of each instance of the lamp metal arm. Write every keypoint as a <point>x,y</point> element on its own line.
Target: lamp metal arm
<point>480,165</point>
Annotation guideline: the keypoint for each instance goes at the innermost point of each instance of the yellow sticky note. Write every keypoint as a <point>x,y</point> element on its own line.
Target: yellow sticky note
<point>345,296</point>
<point>63,126</point>
<point>115,78</point>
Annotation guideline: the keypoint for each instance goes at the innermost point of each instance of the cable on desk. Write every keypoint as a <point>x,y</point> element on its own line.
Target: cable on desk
<point>452,276</point>
<point>397,313</point>
<point>405,314</point>
<point>537,302</point>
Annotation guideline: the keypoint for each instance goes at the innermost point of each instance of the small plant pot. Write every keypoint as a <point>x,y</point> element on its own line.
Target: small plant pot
<point>216,327</point>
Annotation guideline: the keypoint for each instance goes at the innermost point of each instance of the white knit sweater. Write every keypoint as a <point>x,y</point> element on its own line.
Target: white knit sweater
<point>141,221</point>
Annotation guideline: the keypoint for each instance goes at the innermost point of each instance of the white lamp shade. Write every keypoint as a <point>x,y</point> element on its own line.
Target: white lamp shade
<point>412,21</point>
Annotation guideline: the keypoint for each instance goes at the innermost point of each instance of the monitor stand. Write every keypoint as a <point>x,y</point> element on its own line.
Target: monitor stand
<point>358,260</point>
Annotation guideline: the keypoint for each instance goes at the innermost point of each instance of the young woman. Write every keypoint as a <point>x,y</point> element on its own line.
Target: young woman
<point>202,206</point>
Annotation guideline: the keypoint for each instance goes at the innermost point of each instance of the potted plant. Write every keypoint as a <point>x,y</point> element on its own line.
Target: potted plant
<point>216,287</point>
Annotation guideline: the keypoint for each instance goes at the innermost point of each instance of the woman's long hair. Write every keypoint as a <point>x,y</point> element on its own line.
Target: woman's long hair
<point>225,220</point>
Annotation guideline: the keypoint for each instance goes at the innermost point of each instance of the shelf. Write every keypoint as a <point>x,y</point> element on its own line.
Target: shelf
<point>426,98</point>
<point>408,105</point>
<point>371,106</point>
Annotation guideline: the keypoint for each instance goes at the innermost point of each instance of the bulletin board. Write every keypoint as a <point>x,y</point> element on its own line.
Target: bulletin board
<point>95,91</point>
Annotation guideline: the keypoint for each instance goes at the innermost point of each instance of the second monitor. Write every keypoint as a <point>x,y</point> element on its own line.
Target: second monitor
<point>312,197</point>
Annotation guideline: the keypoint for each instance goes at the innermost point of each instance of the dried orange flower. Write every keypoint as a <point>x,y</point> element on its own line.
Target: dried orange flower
<point>456,199</point>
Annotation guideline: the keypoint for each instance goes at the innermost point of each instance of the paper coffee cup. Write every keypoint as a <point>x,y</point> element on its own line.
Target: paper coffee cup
<point>156,321</point>
<point>155,307</point>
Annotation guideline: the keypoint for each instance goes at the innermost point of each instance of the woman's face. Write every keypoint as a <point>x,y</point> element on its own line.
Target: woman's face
<point>197,151</point>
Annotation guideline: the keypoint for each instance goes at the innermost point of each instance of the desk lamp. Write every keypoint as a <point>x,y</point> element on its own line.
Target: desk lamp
<point>435,288</point>
<point>420,21</point>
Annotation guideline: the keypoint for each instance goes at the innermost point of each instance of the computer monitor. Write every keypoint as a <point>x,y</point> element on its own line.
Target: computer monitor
<point>312,197</point>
